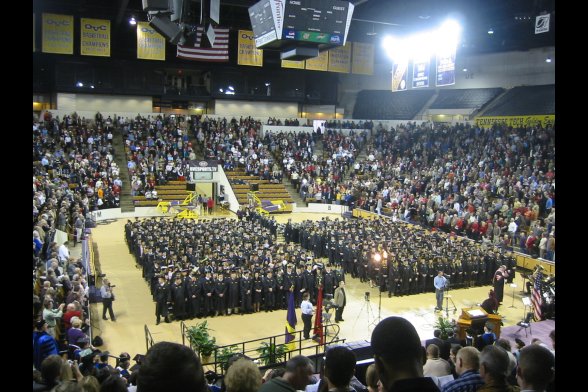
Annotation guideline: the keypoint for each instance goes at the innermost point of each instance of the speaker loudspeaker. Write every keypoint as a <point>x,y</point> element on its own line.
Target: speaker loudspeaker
<point>167,28</point>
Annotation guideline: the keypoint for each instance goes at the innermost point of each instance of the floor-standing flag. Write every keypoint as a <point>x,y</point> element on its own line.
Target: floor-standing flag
<point>537,299</point>
<point>290,323</point>
<point>218,52</point>
<point>318,320</point>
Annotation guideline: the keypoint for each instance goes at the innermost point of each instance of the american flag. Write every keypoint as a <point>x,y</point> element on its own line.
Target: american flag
<point>537,298</point>
<point>219,52</point>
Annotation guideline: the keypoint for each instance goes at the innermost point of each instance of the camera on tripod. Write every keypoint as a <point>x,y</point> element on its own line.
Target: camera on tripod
<point>367,296</point>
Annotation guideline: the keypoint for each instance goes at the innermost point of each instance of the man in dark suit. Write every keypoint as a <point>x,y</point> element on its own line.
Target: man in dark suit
<point>444,347</point>
<point>340,301</point>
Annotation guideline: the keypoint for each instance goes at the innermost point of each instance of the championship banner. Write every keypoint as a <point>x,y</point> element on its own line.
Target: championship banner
<point>446,68</point>
<point>57,34</point>
<point>399,74</point>
<point>150,44</point>
<point>293,64</point>
<point>420,72</point>
<point>248,53</point>
<point>319,63</point>
<point>516,121</point>
<point>362,61</point>
<point>340,59</point>
<point>95,37</point>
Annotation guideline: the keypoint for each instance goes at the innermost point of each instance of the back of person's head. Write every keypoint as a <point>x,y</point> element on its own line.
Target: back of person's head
<point>494,363</point>
<point>67,386</point>
<point>397,350</point>
<point>242,376</point>
<point>90,384</point>
<point>505,344</point>
<point>339,366</point>
<point>171,367</point>
<point>433,351</point>
<point>51,368</point>
<point>467,358</point>
<point>298,372</point>
<point>536,367</point>
<point>437,333</point>
<point>372,378</point>
<point>113,384</point>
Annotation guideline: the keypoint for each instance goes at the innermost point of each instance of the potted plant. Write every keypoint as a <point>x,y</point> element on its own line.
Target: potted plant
<point>200,339</point>
<point>269,353</point>
<point>223,355</point>
<point>444,325</point>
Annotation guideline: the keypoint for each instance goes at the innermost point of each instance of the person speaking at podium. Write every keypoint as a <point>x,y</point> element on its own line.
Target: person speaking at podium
<point>439,282</point>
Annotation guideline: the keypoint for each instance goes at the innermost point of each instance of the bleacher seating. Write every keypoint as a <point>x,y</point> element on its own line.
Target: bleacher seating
<point>388,105</point>
<point>526,100</point>
<point>267,190</point>
<point>473,98</point>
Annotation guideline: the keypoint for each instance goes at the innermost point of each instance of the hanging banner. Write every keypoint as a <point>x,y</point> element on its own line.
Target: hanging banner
<point>150,44</point>
<point>340,59</point>
<point>420,72</point>
<point>516,121</point>
<point>95,37</point>
<point>248,54</point>
<point>542,24</point>
<point>319,63</point>
<point>293,64</point>
<point>58,34</point>
<point>446,68</point>
<point>399,72</point>
<point>362,61</point>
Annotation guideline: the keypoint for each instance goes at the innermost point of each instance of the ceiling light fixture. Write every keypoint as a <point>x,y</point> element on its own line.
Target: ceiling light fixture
<point>132,21</point>
<point>490,31</point>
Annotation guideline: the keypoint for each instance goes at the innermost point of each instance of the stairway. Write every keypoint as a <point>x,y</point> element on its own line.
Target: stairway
<point>293,193</point>
<point>126,200</point>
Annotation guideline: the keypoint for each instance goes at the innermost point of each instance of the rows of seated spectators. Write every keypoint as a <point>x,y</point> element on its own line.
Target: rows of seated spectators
<point>288,122</point>
<point>491,185</point>
<point>237,143</point>
<point>157,151</point>
<point>79,157</point>
<point>346,124</point>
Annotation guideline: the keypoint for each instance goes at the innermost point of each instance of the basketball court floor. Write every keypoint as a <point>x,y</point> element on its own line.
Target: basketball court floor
<point>135,309</point>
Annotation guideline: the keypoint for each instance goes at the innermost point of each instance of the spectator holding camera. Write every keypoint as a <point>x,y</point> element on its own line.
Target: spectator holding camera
<point>107,298</point>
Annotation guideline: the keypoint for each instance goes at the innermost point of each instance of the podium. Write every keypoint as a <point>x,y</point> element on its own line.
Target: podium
<point>476,317</point>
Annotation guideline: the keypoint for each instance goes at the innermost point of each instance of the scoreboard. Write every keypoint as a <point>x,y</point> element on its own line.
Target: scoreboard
<point>280,24</point>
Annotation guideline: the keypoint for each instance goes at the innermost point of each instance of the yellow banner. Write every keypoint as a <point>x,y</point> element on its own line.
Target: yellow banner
<point>319,63</point>
<point>516,121</point>
<point>150,44</point>
<point>340,59</point>
<point>58,34</point>
<point>362,61</point>
<point>293,64</point>
<point>95,37</point>
<point>248,54</point>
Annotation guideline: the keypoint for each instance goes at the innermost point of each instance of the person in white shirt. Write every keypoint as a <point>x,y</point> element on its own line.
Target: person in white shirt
<point>307,312</point>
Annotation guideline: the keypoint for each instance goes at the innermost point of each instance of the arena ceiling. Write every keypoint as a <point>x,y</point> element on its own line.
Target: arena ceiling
<point>512,22</point>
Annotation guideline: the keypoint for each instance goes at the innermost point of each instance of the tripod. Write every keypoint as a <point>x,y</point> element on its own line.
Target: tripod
<point>448,299</point>
<point>369,311</point>
<point>514,286</point>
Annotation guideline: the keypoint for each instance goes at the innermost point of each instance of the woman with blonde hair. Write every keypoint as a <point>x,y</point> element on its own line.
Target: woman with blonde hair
<point>243,376</point>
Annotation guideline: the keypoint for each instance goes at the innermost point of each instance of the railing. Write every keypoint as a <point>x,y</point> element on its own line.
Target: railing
<point>148,339</point>
<point>250,347</point>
